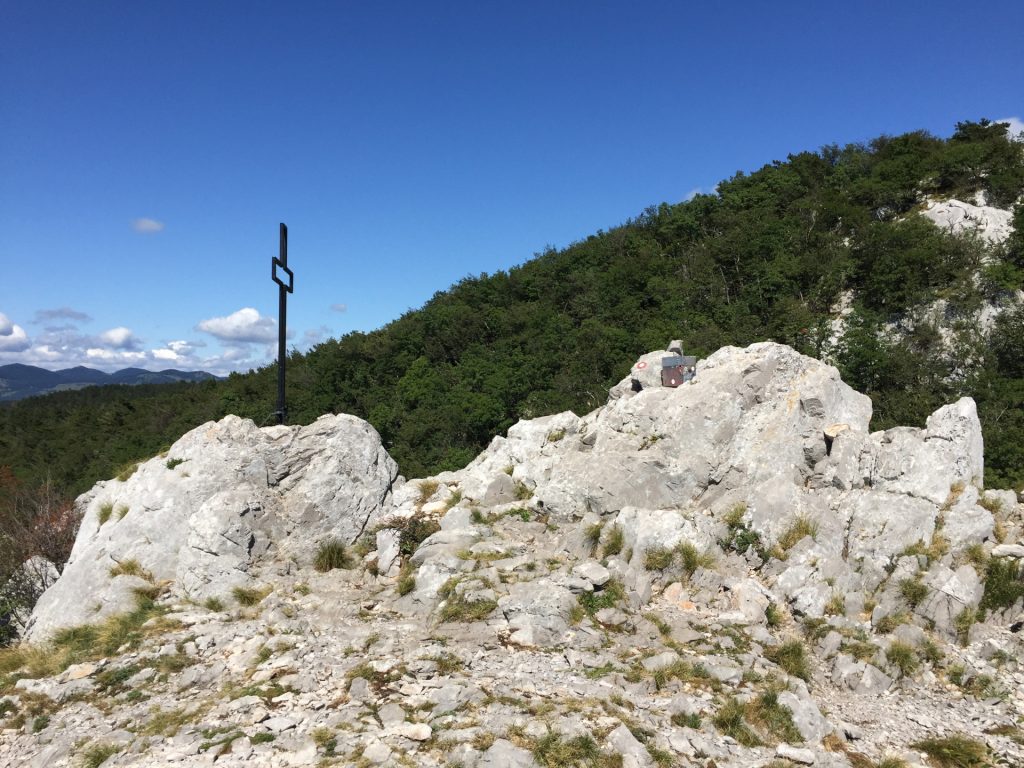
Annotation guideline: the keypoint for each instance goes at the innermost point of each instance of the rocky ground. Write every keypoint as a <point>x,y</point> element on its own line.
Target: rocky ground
<point>531,609</point>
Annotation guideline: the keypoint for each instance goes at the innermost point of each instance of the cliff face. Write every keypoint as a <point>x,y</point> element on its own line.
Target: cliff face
<point>731,570</point>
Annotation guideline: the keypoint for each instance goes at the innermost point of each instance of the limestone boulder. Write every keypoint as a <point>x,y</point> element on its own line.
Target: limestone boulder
<point>225,498</point>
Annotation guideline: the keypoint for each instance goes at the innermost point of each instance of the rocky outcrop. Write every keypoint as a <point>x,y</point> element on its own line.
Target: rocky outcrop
<point>957,217</point>
<point>226,497</point>
<point>640,583</point>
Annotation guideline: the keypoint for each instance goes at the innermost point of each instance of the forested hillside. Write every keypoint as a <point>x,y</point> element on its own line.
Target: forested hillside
<point>767,257</point>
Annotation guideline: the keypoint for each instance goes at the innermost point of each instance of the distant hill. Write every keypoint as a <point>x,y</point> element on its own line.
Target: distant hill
<point>18,381</point>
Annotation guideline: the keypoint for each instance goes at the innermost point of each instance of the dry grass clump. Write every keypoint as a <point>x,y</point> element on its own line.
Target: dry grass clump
<point>955,752</point>
<point>332,553</point>
<point>427,489</point>
<point>801,527</point>
<point>131,567</point>
<point>249,596</point>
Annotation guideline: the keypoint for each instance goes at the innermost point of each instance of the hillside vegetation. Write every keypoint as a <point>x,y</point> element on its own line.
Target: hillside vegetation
<point>767,257</point>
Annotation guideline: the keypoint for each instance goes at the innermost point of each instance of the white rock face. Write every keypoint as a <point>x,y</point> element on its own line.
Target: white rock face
<point>226,497</point>
<point>957,217</point>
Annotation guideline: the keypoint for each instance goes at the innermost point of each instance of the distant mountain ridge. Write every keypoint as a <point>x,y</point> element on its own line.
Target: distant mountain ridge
<point>18,381</point>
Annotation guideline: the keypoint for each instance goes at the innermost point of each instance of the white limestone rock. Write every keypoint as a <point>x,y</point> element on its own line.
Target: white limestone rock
<point>233,496</point>
<point>957,217</point>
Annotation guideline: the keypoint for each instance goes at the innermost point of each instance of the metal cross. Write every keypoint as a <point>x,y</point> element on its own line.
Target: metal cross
<point>284,289</point>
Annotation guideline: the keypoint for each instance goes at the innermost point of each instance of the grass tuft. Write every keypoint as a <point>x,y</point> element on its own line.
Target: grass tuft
<point>94,755</point>
<point>954,752</point>
<point>427,489</point>
<point>131,567</point>
<point>914,591</point>
<point>801,527</point>
<point>692,558</point>
<point>332,553</point>
<point>658,558</point>
<point>902,656</point>
<point>458,608</point>
<point>792,657</point>
<point>406,580</point>
<point>249,596</point>
<point>105,511</point>
<point>614,541</point>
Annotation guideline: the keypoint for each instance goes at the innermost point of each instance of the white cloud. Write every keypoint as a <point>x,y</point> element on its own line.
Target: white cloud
<point>12,337</point>
<point>339,307</point>
<point>147,226</point>
<point>115,357</point>
<point>245,325</point>
<point>119,338</point>
<point>165,354</point>
<point>1016,127</point>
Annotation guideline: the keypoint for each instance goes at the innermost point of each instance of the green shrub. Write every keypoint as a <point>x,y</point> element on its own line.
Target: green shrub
<point>592,536</point>
<point>262,737</point>
<point>772,615</point>
<point>172,463</point>
<point>1004,584</point>
<point>332,553</point>
<point>555,435</point>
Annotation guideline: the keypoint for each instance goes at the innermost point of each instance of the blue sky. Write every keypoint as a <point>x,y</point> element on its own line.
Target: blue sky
<point>149,150</point>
